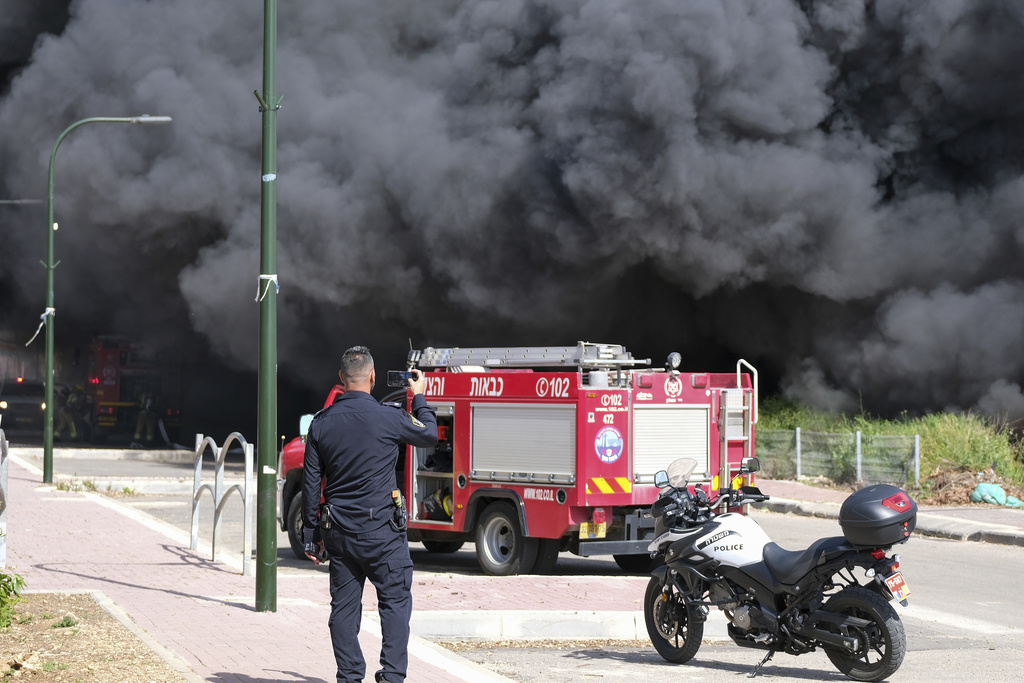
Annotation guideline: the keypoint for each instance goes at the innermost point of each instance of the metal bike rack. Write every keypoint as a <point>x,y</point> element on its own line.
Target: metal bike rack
<point>220,494</point>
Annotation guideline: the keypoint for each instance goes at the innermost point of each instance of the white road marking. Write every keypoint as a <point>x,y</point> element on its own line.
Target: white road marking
<point>956,621</point>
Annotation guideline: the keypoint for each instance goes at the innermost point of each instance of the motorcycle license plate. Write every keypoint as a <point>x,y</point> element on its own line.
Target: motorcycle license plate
<point>591,530</point>
<point>897,586</point>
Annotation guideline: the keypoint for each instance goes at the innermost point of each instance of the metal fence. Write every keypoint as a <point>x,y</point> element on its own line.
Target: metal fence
<point>842,458</point>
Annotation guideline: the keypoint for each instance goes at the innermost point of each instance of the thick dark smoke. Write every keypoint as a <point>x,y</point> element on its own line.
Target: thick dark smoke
<point>831,189</point>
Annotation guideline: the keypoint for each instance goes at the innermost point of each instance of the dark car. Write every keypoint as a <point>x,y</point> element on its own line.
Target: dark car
<point>22,404</point>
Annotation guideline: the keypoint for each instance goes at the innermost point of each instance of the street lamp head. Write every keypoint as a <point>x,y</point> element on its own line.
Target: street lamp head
<point>146,118</point>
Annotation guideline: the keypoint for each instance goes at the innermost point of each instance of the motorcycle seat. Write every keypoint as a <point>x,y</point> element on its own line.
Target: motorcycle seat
<point>789,566</point>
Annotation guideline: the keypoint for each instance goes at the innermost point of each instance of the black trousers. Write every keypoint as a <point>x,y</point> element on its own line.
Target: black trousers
<point>382,555</point>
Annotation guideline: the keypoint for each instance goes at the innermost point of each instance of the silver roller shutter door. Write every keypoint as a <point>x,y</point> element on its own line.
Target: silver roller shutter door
<point>524,439</point>
<point>662,434</point>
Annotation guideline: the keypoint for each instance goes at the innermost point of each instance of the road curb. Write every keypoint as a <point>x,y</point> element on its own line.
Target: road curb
<point>491,625</point>
<point>139,485</point>
<point>63,453</point>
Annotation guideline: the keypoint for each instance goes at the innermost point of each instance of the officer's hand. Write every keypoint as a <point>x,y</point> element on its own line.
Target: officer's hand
<point>315,552</point>
<point>419,383</point>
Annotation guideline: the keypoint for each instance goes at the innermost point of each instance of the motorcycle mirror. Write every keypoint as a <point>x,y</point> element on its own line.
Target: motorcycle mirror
<point>751,465</point>
<point>661,479</point>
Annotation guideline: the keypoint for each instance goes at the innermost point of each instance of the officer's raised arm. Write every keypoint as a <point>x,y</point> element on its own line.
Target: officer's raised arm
<point>419,426</point>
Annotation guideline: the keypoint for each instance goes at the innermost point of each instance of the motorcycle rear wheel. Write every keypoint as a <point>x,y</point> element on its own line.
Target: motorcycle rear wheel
<point>882,644</point>
<point>673,633</point>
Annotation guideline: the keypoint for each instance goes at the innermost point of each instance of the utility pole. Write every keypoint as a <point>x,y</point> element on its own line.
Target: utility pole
<point>266,442</point>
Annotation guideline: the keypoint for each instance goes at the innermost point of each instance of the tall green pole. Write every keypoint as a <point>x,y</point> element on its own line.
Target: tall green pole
<point>266,443</point>
<point>50,265</point>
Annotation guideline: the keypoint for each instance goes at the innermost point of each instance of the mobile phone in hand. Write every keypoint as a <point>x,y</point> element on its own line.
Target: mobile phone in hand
<point>400,378</point>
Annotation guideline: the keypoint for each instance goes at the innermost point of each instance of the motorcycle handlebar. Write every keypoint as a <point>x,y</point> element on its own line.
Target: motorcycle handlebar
<point>699,508</point>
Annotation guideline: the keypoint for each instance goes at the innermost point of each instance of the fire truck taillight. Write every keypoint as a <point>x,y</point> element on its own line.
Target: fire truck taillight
<point>94,380</point>
<point>599,516</point>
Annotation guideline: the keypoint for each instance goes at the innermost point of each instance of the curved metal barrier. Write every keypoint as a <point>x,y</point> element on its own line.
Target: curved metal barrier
<point>220,494</point>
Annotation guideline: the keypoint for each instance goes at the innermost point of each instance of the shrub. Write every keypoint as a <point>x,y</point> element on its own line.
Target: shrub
<point>11,586</point>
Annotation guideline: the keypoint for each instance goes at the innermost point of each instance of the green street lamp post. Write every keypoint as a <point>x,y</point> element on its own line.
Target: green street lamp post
<point>49,313</point>
<point>266,460</point>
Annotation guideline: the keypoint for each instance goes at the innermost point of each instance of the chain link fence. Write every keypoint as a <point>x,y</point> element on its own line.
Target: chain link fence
<point>841,458</point>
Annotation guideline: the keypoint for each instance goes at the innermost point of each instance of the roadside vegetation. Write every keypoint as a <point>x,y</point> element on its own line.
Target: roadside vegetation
<point>953,445</point>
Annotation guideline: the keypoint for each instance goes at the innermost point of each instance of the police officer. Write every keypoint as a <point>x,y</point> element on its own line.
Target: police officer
<point>352,447</point>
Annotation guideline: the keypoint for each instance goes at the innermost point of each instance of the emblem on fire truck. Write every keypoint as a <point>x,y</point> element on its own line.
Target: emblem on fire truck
<point>608,444</point>
<point>673,387</point>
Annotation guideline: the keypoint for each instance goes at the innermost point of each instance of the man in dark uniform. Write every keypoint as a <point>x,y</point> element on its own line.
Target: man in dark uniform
<point>352,447</point>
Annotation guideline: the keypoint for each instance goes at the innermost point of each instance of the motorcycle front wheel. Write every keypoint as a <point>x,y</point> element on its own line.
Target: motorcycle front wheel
<point>673,633</point>
<point>882,644</point>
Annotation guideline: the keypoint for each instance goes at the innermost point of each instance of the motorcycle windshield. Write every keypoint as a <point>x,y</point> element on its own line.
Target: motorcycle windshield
<point>679,472</point>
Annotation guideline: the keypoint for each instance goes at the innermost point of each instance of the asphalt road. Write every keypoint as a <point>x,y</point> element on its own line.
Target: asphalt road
<point>963,622</point>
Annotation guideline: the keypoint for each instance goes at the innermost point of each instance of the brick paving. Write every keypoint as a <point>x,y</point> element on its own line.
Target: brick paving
<point>201,611</point>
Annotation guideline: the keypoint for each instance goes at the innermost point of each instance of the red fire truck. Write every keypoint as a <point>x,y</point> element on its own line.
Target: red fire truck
<point>550,449</point>
<point>121,375</point>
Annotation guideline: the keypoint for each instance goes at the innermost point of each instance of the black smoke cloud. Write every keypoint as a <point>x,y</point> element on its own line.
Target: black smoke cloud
<point>831,189</point>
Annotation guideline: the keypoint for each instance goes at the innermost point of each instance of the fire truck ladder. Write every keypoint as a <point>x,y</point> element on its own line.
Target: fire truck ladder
<point>737,415</point>
<point>585,355</point>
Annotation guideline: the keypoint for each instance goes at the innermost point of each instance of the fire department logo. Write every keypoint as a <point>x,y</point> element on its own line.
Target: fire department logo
<point>608,444</point>
<point>673,387</point>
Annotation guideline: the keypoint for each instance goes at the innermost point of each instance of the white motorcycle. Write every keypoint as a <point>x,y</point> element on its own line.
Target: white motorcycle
<point>833,595</point>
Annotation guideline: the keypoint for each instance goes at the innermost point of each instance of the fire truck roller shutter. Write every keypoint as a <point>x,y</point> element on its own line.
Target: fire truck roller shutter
<point>662,434</point>
<point>513,439</point>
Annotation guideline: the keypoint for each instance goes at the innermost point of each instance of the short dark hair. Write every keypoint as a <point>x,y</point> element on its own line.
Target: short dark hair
<point>356,363</point>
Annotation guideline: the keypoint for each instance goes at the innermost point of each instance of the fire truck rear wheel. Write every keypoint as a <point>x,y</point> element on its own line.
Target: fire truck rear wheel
<point>501,548</point>
<point>547,555</point>
<point>442,546</point>
<point>634,564</point>
<point>293,522</point>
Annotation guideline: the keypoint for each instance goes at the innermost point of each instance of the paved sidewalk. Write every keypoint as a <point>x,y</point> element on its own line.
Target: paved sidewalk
<point>198,614</point>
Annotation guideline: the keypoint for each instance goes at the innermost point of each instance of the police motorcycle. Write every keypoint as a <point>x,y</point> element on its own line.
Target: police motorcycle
<point>833,595</point>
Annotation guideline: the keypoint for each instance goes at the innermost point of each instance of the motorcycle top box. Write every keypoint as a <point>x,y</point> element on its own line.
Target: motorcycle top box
<point>878,516</point>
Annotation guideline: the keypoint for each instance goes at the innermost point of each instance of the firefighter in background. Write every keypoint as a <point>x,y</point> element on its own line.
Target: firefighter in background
<point>145,425</point>
<point>65,418</point>
<point>77,409</point>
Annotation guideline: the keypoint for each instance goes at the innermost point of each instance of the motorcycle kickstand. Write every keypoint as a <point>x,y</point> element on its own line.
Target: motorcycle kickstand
<point>767,658</point>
